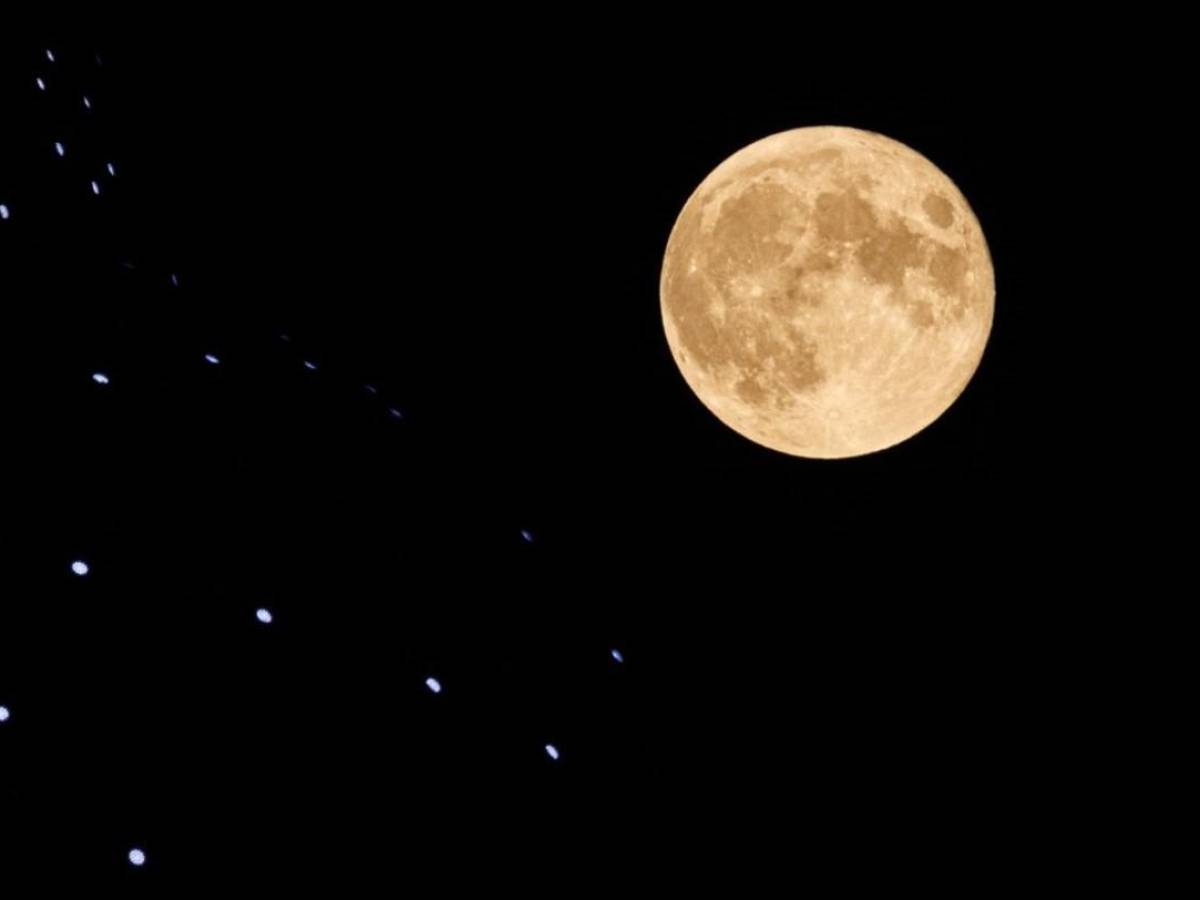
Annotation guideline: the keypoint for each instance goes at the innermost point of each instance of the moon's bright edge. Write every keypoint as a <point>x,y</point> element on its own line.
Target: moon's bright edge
<point>827,292</point>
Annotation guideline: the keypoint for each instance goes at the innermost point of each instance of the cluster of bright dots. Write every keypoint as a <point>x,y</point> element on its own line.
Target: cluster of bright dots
<point>81,568</point>
<point>60,148</point>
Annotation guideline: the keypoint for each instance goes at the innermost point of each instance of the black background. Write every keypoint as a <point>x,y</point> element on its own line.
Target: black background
<point>836,667</point>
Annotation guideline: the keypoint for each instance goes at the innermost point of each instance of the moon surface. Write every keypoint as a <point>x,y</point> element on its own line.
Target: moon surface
<point>827,292</point>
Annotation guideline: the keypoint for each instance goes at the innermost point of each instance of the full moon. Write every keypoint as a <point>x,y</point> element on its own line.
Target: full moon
<point>827,292</point>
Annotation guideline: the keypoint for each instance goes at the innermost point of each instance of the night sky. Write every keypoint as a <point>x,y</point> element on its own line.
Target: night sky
<point>373,345</point>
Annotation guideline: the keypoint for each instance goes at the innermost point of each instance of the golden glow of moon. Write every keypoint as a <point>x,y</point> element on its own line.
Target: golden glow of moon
<point>827,292</point>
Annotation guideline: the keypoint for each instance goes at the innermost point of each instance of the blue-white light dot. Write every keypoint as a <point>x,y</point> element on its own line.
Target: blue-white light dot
<point>552,751</point>
<point>137,857</point>
<point>264,615</point>
<point>434,685</point>
<point>211,359</point>
<point>87,102</point>
<point>174,279</point>
<point>371,389</point>
<point>112,170</point>
<point>59,148</point>
<point>395,413</point>
<point>41,85</point>
<point>79,567</point>
<point>4,212</point>
<point>618,655</point>
<point>50,55</point>
<point>3,713</point>
<point>527,535</point>
<point>311,366</point>
<point>96,188</point>
<point>100,378</point>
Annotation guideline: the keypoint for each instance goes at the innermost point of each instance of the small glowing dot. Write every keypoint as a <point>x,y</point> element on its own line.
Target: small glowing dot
<point>41,85</point>
<point>264,615</point>
<point>371,389</point>
<point>210,358</point>
<point>395,413</point>
<point>310,366</point>
<point>3,212</point>
<point>527,535</point>
<point>59,148</point>
<point>434,685</point>
<point>618,655</point>
<point>552,751</point>
<point>87,103</point>
<point>79,567</point>
<point>286,337</point>
<point>174,279</point>
<point>137,857</point>
<point>112,170</point>
<point>96,188</point>
<point>3,713</point>
<point>50,55</point>
<point>100,378</point>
